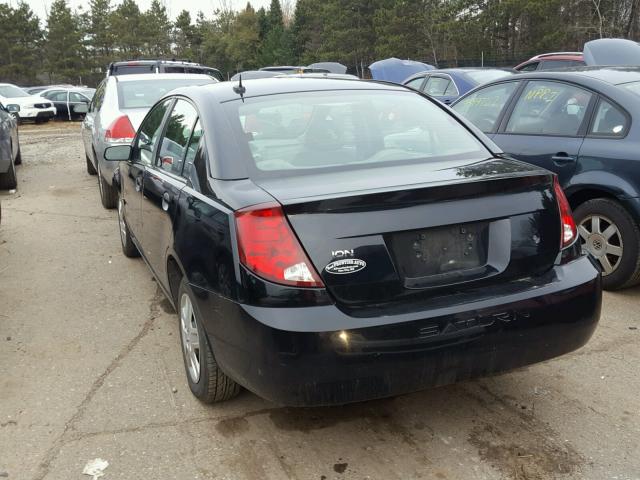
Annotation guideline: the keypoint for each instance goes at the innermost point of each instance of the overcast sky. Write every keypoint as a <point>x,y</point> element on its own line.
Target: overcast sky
<point>173,6</point>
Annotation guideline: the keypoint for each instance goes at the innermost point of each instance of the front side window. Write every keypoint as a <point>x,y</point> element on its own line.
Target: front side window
<point>96,102</point>
<point>483,107</point>
<point>176,137</point>
<point>144,93</point>
<point>149,133</point>
<point>77,98</point>
<point>57,96</point>
<point>609,121</point>
<point>549,108</point>
<point>331,130</point>
<point>436,86</point>
<point>530,67</point>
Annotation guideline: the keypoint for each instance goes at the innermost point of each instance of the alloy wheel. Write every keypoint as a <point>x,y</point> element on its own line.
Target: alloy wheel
<point>602,239</point>
<point>190,338</point>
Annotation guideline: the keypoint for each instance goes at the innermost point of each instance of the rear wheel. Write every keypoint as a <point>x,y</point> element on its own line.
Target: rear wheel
<point>128,247</point>
<point>91,170</point>
<point>610,235</point>
<point>108,193</point>
<point>206,381</point>
<point>9,179</point>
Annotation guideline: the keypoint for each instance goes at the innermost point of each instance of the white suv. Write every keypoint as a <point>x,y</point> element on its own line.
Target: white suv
<point>32,107</point>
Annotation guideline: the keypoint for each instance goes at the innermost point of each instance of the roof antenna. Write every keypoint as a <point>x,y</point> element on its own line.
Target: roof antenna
<point>240,89</point>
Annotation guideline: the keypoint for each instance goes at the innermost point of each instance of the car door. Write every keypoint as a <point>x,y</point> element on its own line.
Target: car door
<point>143,153</point>
<point>75,99</point>
<point>546,125</point>
<point>162,184</point>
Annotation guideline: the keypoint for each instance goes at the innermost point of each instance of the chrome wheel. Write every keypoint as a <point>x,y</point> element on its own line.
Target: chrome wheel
<point>190,338</point>
<point>123,226</point>
<point>602,239</point>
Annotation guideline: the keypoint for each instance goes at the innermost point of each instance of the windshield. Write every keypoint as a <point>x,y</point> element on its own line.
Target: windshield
<point>319,131</point>
<point>486,76</point>
<point>632,86</point>
<point>144,93</point>
<point>10,91</point>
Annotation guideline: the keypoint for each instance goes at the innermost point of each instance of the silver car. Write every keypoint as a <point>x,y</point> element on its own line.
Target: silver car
<point>9,146</point>
<point>115,113</point>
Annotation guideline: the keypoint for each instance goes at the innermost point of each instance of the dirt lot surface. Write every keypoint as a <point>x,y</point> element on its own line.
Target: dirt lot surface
<point>90,367</point>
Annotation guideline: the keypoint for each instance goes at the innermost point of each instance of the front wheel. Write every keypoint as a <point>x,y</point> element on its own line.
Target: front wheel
<point>9,179</point>
<point>206,381</point>
<point>18,160</point>
<point>611,236</point>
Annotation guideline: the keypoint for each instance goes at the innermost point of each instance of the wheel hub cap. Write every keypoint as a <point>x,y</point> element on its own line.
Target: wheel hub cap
<point>190,338</point>
<point>602,239</point>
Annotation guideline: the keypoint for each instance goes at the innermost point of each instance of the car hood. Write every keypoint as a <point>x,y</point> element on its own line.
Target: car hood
<point>611,51</point>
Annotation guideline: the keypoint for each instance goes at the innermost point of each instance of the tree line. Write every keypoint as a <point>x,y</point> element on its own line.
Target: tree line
<point>76,45</point>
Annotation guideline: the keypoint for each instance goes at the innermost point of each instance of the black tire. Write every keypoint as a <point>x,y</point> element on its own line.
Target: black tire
<point>213,385</point>
<point>108,193</point>
<point>128,247</point>
<point>91,170</point>
<point>18,160</point>
<point>41,120</point>
<point>627,271</point>
<point>9,179</point>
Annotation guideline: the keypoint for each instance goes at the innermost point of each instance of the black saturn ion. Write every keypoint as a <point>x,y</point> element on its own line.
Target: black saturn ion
<point>328,241</point>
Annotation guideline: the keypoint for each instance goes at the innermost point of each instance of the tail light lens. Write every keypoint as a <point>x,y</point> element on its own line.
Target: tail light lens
<point>568,231</point>
<point>120,130</point>
<point>269,248</point>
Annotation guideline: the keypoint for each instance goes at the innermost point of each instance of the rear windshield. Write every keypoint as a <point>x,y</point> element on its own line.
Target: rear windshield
<point>10,91</point>
<point>144,93</point>
<point>321,131</point>
<point>632,86</point>
<point>486,76</point>
<point>133,69</point>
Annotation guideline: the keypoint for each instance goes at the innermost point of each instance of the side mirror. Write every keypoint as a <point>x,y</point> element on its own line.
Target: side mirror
<point>13,108</point>
<point>81,108</point>
<point>117,153</point>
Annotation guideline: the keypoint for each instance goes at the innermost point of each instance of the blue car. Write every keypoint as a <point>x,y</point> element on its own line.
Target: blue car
<point>448,84</point>
<point>583,125</point>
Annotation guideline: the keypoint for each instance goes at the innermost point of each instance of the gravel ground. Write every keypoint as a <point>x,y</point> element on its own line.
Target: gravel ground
<point>90,367</point>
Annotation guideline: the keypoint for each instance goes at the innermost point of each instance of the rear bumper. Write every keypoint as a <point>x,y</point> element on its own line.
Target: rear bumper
<point>398,354</point>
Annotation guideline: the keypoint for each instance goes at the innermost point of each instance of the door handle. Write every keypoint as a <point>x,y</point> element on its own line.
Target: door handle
<point>562,158</point>
<point>166,201</point>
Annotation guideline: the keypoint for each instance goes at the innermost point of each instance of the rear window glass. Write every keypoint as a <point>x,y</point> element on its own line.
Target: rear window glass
<point>319,131</point>
<point>633,87</point>
<point>144,93</point>
<point>133,69</point>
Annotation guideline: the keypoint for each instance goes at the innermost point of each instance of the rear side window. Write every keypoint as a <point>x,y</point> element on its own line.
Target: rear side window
<point>310,131</point>
<point>415,83</point>
<point>144,93</point>
<point>176,137</point>
<point>549,108</point>
<point>98,97</point>
<point>609,121</point>
<point>437,86</point>
<point>483,107</point>
<point>554,64</point>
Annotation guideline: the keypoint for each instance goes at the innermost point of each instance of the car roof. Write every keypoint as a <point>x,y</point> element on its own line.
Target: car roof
<point>159,76</point>
<point>558,56</point>
<point>224,91</point>
<point>611,75</point>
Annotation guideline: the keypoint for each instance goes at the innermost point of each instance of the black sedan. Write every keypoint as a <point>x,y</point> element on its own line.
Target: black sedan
<point>332,241</point>
<point>584,125</point>
<point>70,103</point>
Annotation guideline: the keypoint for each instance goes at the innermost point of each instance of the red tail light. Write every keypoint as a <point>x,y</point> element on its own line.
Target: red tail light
<point>568,231</point>
<point>269,248</point>
<point>120,130</point>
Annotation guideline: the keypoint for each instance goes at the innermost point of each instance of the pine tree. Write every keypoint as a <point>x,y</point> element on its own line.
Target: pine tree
<point>20,43</point>
<point>157,31</point>
<point>64,49</point>
<point>125,24</point>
